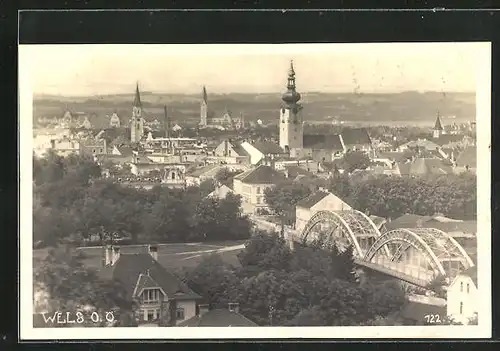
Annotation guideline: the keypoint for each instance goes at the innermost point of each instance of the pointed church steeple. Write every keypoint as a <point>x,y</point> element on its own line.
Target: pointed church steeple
<point>438,128</point>
<point>438,125</point>
<point>166,125</point>
<point>137,99</point>
<point>204,95</point>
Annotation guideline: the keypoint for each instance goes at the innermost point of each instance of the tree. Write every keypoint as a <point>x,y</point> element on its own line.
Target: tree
<point>345,268</point>
<point>355,160</point>
<point>283,198</point>
<point>265,251</point>
<point>71,286</point>
<point>214,280</point>
<point>225,176</point>
<point>206,187</point>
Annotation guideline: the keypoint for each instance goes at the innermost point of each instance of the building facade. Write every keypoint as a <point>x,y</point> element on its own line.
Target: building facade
<point>291,123</point>
<point>137,122</point>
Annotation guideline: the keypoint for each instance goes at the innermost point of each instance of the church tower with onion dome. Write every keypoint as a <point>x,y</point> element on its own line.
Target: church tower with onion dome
<point>291,123</point>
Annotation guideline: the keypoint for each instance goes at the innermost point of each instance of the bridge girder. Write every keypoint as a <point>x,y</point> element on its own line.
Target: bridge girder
<point>436,246</point>
<point>352,224</point>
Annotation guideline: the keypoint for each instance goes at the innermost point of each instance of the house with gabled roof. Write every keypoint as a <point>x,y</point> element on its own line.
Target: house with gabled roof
<point>356,139</point>
<point>261,150</point>
<point>161,298</point>
<point>321,200</point>
<point>232,152</point>
<point>462,297</point>
<point>251,185</point>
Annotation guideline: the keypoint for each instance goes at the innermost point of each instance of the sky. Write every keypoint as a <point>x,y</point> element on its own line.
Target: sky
<point>80,70</point>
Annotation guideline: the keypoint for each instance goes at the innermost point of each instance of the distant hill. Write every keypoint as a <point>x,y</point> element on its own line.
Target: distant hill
<point>318,107</point>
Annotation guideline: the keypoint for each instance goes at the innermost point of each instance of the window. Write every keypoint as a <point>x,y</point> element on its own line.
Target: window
<point>258,190</point>
<point>468,288</point>
<point>150,315</point>
<point>258,199</point>
<point>461,307</point>
<point>151,296</point>
<point>179,314</point>
<point>100,150</point>
<point>461,286</point>
<point>229,152</point>
<point>173,175</point>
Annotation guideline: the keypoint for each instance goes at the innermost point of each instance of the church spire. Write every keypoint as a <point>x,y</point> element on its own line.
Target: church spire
<point>137,99</point>
<point>204,94</point>
<point>165,122</point>
<point>291,96</point>
<point>438,125</point>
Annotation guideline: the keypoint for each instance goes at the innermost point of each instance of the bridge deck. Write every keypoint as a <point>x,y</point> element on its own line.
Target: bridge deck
<point>387,271</point>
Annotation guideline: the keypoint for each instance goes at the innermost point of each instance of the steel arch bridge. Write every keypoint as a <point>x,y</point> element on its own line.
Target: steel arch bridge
<point>415,255</point>
<point>353,227</point>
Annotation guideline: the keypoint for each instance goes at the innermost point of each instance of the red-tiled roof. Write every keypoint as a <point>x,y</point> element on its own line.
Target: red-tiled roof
<point>128,270</point>
<point>218,318</point>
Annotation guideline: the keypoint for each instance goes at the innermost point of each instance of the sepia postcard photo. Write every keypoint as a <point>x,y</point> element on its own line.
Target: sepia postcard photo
<point>285,191</point>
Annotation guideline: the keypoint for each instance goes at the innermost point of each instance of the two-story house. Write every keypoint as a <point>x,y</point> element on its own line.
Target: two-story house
<point>252,184</point>
<point>161,298</point>
<point>462,297</point>
<point>321,200</point>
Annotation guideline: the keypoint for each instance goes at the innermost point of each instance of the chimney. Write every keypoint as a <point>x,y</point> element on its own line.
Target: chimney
<point>202,309</point>
<point>153,251</point>
<point>116,255</point>
<point>234,307</point>
<point>108,255</point>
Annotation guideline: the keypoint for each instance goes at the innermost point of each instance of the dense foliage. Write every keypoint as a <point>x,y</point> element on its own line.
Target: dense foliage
<point>73,202</point>
<point>454,196</point>
<point>69,285</point>
<point>308,286</point>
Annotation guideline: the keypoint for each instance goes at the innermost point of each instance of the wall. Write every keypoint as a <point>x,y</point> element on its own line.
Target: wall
<point>330,203</point>
<point>255,155</point>
<point>189,307</point>
<point>455,296</point>
<point>302,215</point>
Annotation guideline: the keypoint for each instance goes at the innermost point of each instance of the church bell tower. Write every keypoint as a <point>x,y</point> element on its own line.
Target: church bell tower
<point>203,107</point>
<point>137,122</point>
<point>291,123</point>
